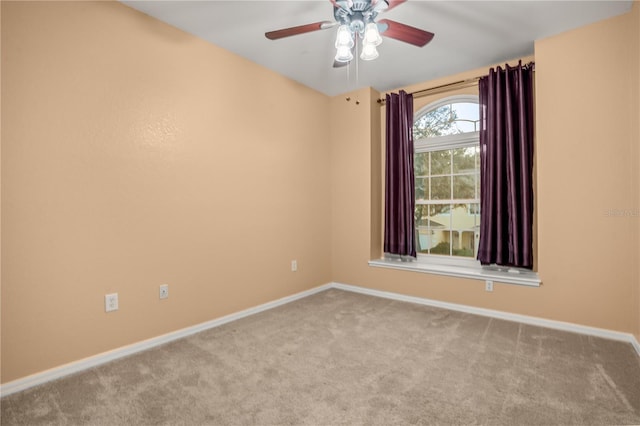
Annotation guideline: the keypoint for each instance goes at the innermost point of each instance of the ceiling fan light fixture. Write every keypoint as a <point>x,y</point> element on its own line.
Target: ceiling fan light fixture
<point>372,35</point>
<point>344,38</point>
<point>369,52</point>
<point>344,54</point>
<point>356,22</point>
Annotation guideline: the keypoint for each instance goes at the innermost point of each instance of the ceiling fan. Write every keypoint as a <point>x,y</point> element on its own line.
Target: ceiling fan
<point>355,19</point>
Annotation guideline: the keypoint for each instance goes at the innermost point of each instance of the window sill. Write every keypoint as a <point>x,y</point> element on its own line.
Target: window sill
<point>483,273</point>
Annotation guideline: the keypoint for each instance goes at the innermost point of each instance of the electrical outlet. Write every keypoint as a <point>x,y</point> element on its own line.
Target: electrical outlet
<point>164,291</point>
<point>111,302</point>
<point>488,285</point>
<point>294,265</point>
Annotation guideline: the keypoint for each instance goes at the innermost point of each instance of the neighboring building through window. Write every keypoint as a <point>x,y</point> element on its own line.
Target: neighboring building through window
<point>447,179</point>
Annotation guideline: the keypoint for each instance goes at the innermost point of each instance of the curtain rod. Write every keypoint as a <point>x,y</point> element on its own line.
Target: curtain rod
<point>442,88</point>
<point>452,86</point>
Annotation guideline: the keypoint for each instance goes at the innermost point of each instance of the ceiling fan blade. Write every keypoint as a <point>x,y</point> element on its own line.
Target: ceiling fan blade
<point>406,33</point>
<point>301,29</point>
<point>394,3</point>
<point>384,5</point>
<point>337,64</point>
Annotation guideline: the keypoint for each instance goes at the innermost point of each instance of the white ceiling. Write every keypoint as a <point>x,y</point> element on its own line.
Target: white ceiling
<point>468,35</point>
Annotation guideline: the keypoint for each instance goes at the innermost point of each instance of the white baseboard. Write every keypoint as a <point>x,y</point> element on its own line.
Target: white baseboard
<point>557,325</point>
<point>93,361</point>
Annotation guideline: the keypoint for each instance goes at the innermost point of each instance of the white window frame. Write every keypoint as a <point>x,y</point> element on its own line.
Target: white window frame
<point>451,265</point>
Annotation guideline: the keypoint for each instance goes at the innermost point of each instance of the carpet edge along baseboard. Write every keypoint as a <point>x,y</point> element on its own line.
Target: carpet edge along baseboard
<point>105,357</point>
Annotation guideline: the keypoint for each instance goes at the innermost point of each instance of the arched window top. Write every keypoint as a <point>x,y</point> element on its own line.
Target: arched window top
<point>449,116</point>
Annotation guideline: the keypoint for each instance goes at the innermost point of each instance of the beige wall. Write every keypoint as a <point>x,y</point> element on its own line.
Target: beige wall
<point>0,201</point>
<point>136,155</point>
<point>353,167</point>
<point>585,164</point>
<point>636,121</point>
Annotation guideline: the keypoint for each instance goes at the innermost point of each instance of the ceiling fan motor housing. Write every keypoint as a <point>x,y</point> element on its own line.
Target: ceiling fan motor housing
<point>356,14</point>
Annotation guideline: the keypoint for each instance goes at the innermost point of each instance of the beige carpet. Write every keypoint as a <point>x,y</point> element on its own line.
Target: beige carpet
<point>340,358</point>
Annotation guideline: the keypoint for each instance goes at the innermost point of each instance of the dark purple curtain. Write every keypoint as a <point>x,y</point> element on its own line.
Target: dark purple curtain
<point>506,167</point>
<point>399,237</point>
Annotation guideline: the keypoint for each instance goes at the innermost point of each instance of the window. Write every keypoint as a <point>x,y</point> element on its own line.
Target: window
<point>447,189</point>
<point>447,179</point>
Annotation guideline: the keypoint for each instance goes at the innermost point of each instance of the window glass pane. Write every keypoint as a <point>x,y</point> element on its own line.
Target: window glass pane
<point>422,188</point>
<point>422,215</point>
<point>450,119</point>
<point>447,176</point>
<point>441,188</point>
<point>475,210</point>
<point>421,163</point>
<point>443,244</point>
<point>440,213</point>
<point>423,227</point>
<point>440,224</point>
<point>437,122</point>
<point>463,187</point>
<point>466,110</point>
<point>424,240</point>
<point>441,162</point>
<point>463,243</point>
<point>464,160</point>
<point>466,126</point>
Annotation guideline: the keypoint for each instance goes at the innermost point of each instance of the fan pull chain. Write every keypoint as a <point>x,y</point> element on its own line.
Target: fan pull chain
<point>355,58</point>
